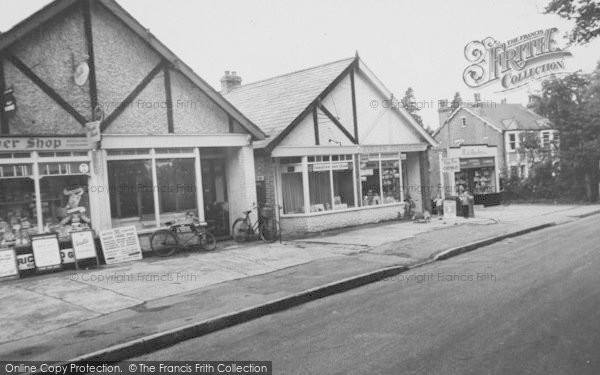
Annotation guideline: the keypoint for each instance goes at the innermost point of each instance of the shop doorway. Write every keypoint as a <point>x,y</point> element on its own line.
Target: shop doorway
<point>214,187</point>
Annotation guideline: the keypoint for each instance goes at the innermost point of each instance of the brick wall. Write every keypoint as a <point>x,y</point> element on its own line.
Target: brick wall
<point>265,167</point>
<point>331,220</point>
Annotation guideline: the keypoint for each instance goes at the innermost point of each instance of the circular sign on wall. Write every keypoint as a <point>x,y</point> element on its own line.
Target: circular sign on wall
<point>84,168</point>
<point>81,74</point>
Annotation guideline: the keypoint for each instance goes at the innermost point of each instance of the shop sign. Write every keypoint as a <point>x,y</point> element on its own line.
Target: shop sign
<point>476,163</point>
<point>120,245</point>
<point>411,147</point>
<point>46,251</point>
<point>42,143</point>
<point>336,166</point>
<point>451,165</point>
<point>366,172</point>
<point>477,151</point>
<point>93,134</point>
<point>8,263</point>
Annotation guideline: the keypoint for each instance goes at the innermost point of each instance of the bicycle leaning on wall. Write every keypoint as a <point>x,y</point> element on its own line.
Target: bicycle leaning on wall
<point>266,227</point>
<point>195,235</point>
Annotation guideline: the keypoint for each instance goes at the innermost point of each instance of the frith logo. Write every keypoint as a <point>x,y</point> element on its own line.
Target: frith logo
<point>516,62</point>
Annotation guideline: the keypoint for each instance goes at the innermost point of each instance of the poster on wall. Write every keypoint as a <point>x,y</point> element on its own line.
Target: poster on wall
<point>120,245</point>
<point>46,251</point>
<point>8,264</point>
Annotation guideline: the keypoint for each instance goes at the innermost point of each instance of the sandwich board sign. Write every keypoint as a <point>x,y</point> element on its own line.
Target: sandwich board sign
<point>9,268</point>
<point>84,246</point>
<point>46,251</point>
<point>120,245</point>
<point>449,209</point>
<point>451,165</point>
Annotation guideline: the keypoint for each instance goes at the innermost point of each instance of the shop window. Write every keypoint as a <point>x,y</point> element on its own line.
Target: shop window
<point>65,204</point>
<point>131,192</point>
<point>390,175</point>
<point>18,218</point>
<point>292,192</point>
<point>369,175</point>
<point>343,188</point>
<point>176,188</point>
<point>319,187</point>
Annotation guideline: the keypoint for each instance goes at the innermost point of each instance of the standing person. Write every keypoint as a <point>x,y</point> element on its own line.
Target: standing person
<point>439,205</point>
<point>410,207</point>
<point>465,198</point>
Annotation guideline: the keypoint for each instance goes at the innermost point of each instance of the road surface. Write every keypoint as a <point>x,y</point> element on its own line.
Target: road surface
<point>530,304</point>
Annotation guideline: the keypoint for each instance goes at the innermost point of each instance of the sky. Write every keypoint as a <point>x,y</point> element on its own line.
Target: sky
<point>418,44</point>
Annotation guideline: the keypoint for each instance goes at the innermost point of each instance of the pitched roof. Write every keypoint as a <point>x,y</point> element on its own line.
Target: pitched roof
<point>53,9</point>
<point>275,102</point>
<point>512,117</point>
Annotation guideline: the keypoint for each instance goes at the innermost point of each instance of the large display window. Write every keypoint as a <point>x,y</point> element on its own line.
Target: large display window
<point>43,192</point>
<point>150,187</point>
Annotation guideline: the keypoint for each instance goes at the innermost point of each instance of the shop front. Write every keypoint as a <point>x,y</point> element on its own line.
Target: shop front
<point>478,173</point>
<point>361,185</point>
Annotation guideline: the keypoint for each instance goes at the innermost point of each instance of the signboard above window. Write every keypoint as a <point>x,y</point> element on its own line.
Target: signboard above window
<point>42,143</point>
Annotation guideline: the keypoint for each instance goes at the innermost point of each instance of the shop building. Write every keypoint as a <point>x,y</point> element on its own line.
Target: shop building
<point>339,151</point>
<point>169,144</point>
<point>483,140</point>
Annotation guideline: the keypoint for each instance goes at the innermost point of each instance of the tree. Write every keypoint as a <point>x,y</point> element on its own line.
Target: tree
<point>409,103</point>
<point>586,14</point>
<point>572,104</point>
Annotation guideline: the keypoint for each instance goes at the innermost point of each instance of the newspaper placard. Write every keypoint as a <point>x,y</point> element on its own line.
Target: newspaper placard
<point>46,251</point>
<point>8,263</point>
<point>120,245</point>
<point>449,209</point>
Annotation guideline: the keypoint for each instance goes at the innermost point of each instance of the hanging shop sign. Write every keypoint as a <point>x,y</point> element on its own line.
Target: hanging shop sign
<point>120,245</point>
<point>46,251</point>
<point>451,165</point>
<point>42,143</point>
<point>8,264</point>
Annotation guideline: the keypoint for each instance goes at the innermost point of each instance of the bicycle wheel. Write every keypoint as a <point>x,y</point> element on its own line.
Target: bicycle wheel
<point>164,243</point>
<point>240,230</point>
<point>269,230</point>
<point>207,241</point>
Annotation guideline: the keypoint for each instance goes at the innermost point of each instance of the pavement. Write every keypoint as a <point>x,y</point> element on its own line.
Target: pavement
<point>62,316</point>
<point>526,305</point>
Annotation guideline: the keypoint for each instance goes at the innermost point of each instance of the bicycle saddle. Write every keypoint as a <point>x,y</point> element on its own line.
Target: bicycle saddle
<point>169,223</point>
<point>247,212</point>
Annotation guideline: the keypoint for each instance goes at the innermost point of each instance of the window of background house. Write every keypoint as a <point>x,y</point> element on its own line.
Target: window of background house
<point>512,141</point>
<point>545,138</point>
<point>463,122</point>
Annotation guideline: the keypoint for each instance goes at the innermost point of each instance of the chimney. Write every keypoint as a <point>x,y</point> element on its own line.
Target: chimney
<point>444,110</point>
<point>230,81</point>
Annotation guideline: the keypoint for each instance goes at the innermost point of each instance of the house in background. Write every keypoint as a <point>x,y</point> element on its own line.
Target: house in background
<point>339,151</point>
<point>491,141</point>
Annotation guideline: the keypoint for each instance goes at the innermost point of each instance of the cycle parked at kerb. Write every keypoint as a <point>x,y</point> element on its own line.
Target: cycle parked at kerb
<point>266,227</point>
<point>194,235</point>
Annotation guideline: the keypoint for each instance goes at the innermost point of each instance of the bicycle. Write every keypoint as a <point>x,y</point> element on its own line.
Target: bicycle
<point>266,227</point>
<point>166,242</point>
